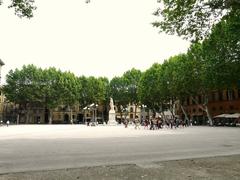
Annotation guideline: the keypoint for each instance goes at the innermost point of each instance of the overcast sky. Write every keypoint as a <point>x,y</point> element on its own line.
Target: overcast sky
<point>101,38</point>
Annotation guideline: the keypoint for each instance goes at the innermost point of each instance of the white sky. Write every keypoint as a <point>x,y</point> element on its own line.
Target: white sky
<point>102,38</point>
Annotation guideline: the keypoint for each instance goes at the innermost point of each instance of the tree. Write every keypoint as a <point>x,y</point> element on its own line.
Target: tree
<point>69,88</point>
<point>23,8</point>
<point>131,79</point>
<point>118,91</point>
<point>221,52</point>
<point>149,91</point>
<point>192,19</point>
<point>23,88</point>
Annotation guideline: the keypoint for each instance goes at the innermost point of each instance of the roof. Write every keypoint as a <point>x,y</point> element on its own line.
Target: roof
<point>1,62</point>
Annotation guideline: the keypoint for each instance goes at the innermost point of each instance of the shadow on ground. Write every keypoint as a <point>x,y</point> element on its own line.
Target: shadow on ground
<point>219,168</point>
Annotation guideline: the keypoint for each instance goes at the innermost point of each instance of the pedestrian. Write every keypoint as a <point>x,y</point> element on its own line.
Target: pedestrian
<point>8,123</point>
<point>151,124</point>
<point>126,123</point>
<point>137,123</point>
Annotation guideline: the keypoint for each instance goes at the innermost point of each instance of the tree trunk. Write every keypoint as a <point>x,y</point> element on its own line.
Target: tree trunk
<point>164,117</point>
<point>185,114</point>
<point>50,117</point>
<point>171,110</point>
<point>71,119</point>
<point>206,110</point>
<point>209,116</point>
<point>135,111</point>
<point>18,118</point>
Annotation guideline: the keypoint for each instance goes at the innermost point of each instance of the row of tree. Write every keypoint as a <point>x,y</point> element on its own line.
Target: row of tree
<point>49,88</point>
<point>213,64</point>
<point>209,65</point>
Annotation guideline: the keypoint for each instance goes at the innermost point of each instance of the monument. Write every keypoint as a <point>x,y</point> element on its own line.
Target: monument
<point>112,114</point>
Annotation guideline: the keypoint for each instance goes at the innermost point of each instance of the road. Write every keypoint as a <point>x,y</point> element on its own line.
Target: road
<point>30,148</point>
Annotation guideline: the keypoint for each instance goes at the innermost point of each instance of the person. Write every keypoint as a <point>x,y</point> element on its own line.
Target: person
<point>8,123</point>
<point>126,123</point>
<point>137,123</point>
<point>151,124</point>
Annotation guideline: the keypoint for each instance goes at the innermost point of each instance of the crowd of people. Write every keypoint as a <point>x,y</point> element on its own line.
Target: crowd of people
<point>157,123</point>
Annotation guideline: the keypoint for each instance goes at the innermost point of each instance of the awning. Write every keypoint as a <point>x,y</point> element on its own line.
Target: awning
<point>221,116</point>
<point>236,115</point>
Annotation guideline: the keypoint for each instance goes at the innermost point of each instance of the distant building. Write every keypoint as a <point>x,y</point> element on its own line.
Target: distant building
<point>219,102</point>
<point>1,95</point>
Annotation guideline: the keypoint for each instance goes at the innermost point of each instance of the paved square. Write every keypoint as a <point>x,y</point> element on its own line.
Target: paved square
<point>46,147</point>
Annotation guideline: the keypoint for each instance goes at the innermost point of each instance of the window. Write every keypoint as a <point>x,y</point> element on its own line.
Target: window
<point>230,95</point>
<point>220,95</point>
<point>193,100</point>
<point>233,94</point>
<point>131,109</point>
<point>131,116</point>
<point>194,110</point>
<point>213,97</point>
<point>199,99</point>
<point>238,93</point>
<point>188,101</point>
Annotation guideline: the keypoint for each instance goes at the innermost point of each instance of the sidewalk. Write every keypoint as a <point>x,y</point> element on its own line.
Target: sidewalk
<point>215,168</point>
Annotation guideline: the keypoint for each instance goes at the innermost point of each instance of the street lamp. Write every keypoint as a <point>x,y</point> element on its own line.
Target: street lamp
<point>94,110</point>
<point>84,116</point>
<point>142,107</point>
<point>125,110</point>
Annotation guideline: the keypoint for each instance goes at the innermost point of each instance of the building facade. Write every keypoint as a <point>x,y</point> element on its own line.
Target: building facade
<point>218,102</point>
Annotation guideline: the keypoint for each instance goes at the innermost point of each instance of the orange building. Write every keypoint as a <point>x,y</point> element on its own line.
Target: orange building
<point>219,102</point>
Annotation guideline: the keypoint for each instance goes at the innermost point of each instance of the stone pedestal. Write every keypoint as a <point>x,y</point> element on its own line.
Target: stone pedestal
<point>112,118</point>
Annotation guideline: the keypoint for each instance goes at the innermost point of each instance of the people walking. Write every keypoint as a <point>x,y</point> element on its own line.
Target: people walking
<point>8,123</point>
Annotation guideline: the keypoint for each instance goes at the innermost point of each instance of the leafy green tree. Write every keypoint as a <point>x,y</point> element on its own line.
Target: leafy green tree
<point>189,79</point>
<point>94,90</point>
<point>149,91</point>
<point>118,91</point>
<point>51,95</point>
<point>192,19</point>
<point>23,88</point>
<point>221,53</point>
<point>131,79</point>
<point>69,88</point>
<point>23,8</point>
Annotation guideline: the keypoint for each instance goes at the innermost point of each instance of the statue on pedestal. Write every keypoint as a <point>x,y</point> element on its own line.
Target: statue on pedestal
<point>112,114</point>
<point>111,104</point>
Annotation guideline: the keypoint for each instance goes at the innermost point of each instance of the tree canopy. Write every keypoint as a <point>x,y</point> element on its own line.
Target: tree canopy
<point>193,19</point>
<point>22,8</point>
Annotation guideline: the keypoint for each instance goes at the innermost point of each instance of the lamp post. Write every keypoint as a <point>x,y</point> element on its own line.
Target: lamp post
<point>125,110</point>
<point>84,115</point>
<point>95,117</point>
<point>142,107</point>
<point>94,106</point>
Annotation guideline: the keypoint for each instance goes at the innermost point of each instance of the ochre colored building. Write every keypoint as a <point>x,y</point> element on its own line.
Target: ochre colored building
<point>219,102</point>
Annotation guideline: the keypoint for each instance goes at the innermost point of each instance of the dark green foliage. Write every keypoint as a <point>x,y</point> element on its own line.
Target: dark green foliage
<point>23,8</point>
<point>50,88</point>
<point>193,19</point>
<point>221,51</point>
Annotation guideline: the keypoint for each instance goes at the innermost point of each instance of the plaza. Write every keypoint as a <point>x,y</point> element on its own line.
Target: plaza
<point>26,148</point>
